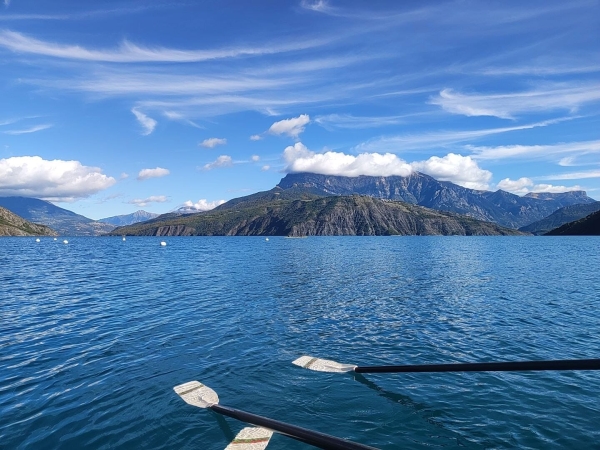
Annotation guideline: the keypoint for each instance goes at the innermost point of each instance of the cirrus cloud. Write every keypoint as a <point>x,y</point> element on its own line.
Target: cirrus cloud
<point>152,173</point>
<point>147,123</point>
<point>55,180</point>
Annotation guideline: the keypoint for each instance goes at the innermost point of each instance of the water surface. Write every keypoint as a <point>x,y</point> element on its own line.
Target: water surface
<point>94,335</point>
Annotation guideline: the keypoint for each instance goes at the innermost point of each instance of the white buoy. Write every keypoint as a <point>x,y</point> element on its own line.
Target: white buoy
<point>55,239</point>
<point>65,242</point>
<point>163,243</point>
<point>123,237</point>
<point>37,240</point>
<point>267,239</point>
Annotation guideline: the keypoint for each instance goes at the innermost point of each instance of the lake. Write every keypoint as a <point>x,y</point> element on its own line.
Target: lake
<point>95,334</point>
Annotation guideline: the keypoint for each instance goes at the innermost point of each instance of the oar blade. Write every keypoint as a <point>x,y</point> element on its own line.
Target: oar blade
<point>322,365</point>
<point>251,438</point>
<point>196,394</point>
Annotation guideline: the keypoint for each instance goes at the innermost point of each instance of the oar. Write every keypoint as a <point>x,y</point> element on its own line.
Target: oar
<point>196,394</point>
<point>251,438</point>
<point>325,365</point>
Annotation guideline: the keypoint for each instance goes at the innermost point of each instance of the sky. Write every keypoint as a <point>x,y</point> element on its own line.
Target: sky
<point>108,107</point>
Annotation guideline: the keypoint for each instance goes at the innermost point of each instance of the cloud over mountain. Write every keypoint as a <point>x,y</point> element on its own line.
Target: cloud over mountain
<point>56,180</point>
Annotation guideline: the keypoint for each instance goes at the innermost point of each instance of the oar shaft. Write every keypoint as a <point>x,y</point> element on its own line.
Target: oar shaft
<point>567,364</point>
<point>310,437</point>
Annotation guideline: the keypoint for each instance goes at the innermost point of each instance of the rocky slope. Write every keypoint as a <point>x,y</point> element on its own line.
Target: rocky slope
<point>561,217</point>
<point>65,222</point>
<point>501,207</point>
<point>317,216</point>
<point>129,219</point>
<point>588,226</point>
<point>13,225</point>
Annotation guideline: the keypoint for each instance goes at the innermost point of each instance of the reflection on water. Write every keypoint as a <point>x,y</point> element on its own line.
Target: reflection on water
<point>95,334</point>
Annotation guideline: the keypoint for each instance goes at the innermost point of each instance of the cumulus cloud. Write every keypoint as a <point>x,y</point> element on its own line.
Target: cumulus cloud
<point>255,137</point>
<point>147,123</point>
<point>265,168</point>
<point>221,161</point>
<point>213,142</point>
<point>291,127</point>
<point>526,185</point>
<point>255,158</point>
<point>301,159</point>
<point>458,169</point>
<point>56,180</point>
<point>152,173</point>
<point>147,201</point>
<point>200,205</point>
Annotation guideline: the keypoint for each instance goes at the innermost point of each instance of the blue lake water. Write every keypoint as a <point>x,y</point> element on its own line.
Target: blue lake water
<point>94,335</point>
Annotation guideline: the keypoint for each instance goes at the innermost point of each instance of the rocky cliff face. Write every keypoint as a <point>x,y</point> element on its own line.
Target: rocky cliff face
<point>324,216</point>
<point>501,207</point>
<point>13,225</point>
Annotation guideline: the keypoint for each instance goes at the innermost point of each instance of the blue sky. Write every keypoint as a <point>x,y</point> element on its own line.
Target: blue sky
<point>107,107</point>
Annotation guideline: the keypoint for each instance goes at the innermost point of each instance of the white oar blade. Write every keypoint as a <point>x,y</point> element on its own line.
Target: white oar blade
<point>196,394</point>
<point>251,438</point>
<point>322,365</point>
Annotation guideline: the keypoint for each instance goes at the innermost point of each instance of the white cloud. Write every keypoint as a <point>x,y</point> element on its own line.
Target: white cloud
<point>255,158</point>
<point>147,201</point>
<point>508,105</point>
<point>347,121</point>
<point>255,137</point>
<point>200,205</point>
<point>292,127</point>
<point>526,185</point>
<point>458,169</point>
<point>29,130</point>
<point>535,151</point>
<point>7,3</point>
<point>441,138</point>
<point>146,122</point>
<point>57,180</point>
<point>573,175</point>
<point>152,173</point>
<point>213,142</point>
<point>123,176</point>
<point>128,52</point>
<point>265,168</point>
<point>221,161</point>
<point>301,159</point>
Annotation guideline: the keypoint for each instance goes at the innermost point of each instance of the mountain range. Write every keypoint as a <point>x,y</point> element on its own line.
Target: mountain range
<point>128,219</point>
<point>13,225</point>
<point>65,222</point>
<point>503,208</point>
<point>303,214</point>
<point>588,226</point>
<point>560,217</point>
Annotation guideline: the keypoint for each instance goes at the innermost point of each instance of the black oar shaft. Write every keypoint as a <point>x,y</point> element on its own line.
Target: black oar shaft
<point>566,364</point>
<point>314,438</point>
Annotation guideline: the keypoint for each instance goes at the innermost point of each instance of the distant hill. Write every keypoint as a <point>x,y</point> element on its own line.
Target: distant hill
<point>588,226</point>
<point>561,217</point>
<point>65,222</point>
<point>128,219</point>
<point>13,225</point>
<point>315,216</point>
<point>501,207</point>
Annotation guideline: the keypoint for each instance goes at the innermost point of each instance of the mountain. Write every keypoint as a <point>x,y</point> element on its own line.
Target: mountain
<point>129,219</point>
<point>588,226</point>
<point>316,216</point>
<point>65,222</point>
<point>13,225</point>
<point>501,207</point>
<point>561,217</point>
